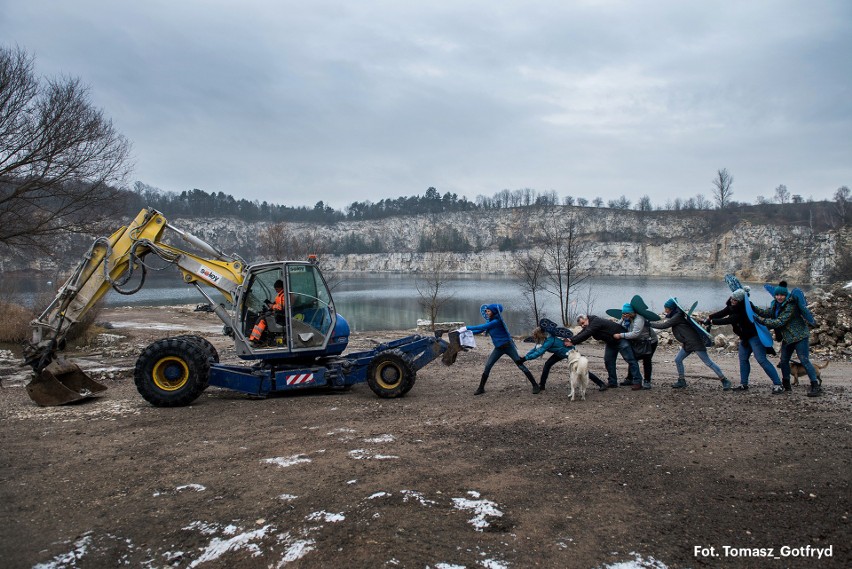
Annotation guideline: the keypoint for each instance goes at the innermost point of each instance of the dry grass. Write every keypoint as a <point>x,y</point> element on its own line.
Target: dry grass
<point>16,323</point>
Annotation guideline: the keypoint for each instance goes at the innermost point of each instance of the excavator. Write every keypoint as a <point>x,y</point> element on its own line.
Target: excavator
<point>301,347</point>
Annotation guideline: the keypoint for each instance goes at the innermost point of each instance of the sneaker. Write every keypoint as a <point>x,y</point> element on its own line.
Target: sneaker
<point>646,385</point>
<point>743,387</point>
<point>681,383</point>
<point>726,384</point>
<point>777,389</point>
<point>636,387</point>
<point>815,390</point>
<point>627,382</point>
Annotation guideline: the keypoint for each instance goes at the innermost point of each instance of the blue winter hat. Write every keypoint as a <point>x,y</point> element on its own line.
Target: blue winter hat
<point>670,303</point>
<point>495,309</point>
<point>782,289</point>
<point>627,309</point>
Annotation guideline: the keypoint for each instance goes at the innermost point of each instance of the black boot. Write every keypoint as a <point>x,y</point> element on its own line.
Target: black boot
<point>536,388</point>
<point>786,384</point>
<point>481,388</point>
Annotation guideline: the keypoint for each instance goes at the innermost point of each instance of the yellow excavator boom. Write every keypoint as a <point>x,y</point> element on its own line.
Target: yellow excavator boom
<point>110,264</point>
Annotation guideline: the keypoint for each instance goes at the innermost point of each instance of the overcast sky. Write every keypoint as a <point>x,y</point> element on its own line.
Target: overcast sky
<point>295,102</point>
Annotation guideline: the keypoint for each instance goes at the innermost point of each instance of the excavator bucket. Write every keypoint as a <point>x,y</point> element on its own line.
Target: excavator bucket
<point>62,382</point>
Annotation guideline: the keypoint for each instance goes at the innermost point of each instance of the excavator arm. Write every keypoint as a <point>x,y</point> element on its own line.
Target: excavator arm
<point>110,264</point>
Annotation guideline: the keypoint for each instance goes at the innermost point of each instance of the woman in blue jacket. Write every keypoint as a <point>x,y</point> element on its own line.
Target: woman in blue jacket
<point>503,344</point>
<point>550,343</point>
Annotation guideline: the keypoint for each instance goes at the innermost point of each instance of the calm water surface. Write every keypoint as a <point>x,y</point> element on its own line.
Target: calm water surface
<point>391,301</point>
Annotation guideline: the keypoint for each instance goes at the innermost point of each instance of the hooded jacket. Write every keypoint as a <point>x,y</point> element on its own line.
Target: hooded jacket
<point>786,317</point>
<point>495,328</point>
<point>737,317</point>
<point>682,330</point>
<point>551,344</point>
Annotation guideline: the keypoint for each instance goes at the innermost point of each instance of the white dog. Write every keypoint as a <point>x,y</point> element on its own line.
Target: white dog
<point>578,373</point>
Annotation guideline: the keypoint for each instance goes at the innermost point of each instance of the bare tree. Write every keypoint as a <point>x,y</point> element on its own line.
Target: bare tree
<point>563,253</point>
<point>722,184</point>
<point>532,274</point>
<point>841,203</point>
<point>701,202</point>
<point>644,203</point>
<point>61,160</point>
<point>782,194</point>
<point>432,286</point>
<point>280,242</point>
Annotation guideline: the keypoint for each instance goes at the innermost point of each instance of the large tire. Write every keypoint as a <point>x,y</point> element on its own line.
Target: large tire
<point>391,375</point>
<point>204,344</point>
<point>172,372</point>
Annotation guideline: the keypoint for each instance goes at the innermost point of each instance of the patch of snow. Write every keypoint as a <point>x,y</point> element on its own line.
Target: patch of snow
<point>218,547</point>
<point>494,564</point>
<point>378,495</point>
<point>637,563</point>
<point>285,461</point>
<point>362,454</point>
<point>325,516</point>
<point>381,439</point>
<point>352,482</point>
<point>203,527</point>
<point>482,510</point>
<point>848,285</point>
<point>295,551</point>
<point>196,487</point>
<point>69,559</point>
<point>449,566</point>
<point>414,495</point>
<point>287,497</point>
<point>340,430</point>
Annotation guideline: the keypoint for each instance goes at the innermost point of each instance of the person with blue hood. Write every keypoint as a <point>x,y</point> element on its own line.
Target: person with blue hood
<point>679,322</point>
<point>496,328</point>
<point>785,315</point>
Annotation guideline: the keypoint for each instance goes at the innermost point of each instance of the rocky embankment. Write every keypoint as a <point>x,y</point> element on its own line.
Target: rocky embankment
<point>608,242</point>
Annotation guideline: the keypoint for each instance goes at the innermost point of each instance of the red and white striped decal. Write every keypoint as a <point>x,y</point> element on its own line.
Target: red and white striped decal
<point>300,378</point>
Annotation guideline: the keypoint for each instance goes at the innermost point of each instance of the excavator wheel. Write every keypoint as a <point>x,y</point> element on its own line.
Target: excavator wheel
<point>172,372</point>
<point>206,347</point>
<point>391,375</point>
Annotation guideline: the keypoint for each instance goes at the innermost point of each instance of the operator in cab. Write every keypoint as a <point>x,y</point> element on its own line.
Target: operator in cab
<point>278,305</point>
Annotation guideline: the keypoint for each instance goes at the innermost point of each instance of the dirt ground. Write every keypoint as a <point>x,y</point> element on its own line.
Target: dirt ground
<point>440,479</point>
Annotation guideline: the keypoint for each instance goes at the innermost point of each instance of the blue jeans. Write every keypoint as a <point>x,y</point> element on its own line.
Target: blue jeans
<point>754,346</point>
<point>683,354</point>
<point>801,348</point>
<point>611,352</point>
<point>507,349</point>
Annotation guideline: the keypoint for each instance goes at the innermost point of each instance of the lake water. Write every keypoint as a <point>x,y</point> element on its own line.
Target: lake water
<point>391,301</point>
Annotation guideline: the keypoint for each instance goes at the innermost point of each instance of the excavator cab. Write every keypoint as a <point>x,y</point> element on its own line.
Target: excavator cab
<point>300,321</point>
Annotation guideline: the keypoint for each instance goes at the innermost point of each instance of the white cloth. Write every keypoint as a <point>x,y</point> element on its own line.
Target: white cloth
<point>466,338</point>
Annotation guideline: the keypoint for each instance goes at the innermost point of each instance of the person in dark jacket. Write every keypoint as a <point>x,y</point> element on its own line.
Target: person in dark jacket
<point>605,330</point>
<point>691,343</point>
<point>642,339</point>
<point>549,343</point>
<point>735,314</point>
<point>496,328</point>
<point>785,315</point>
